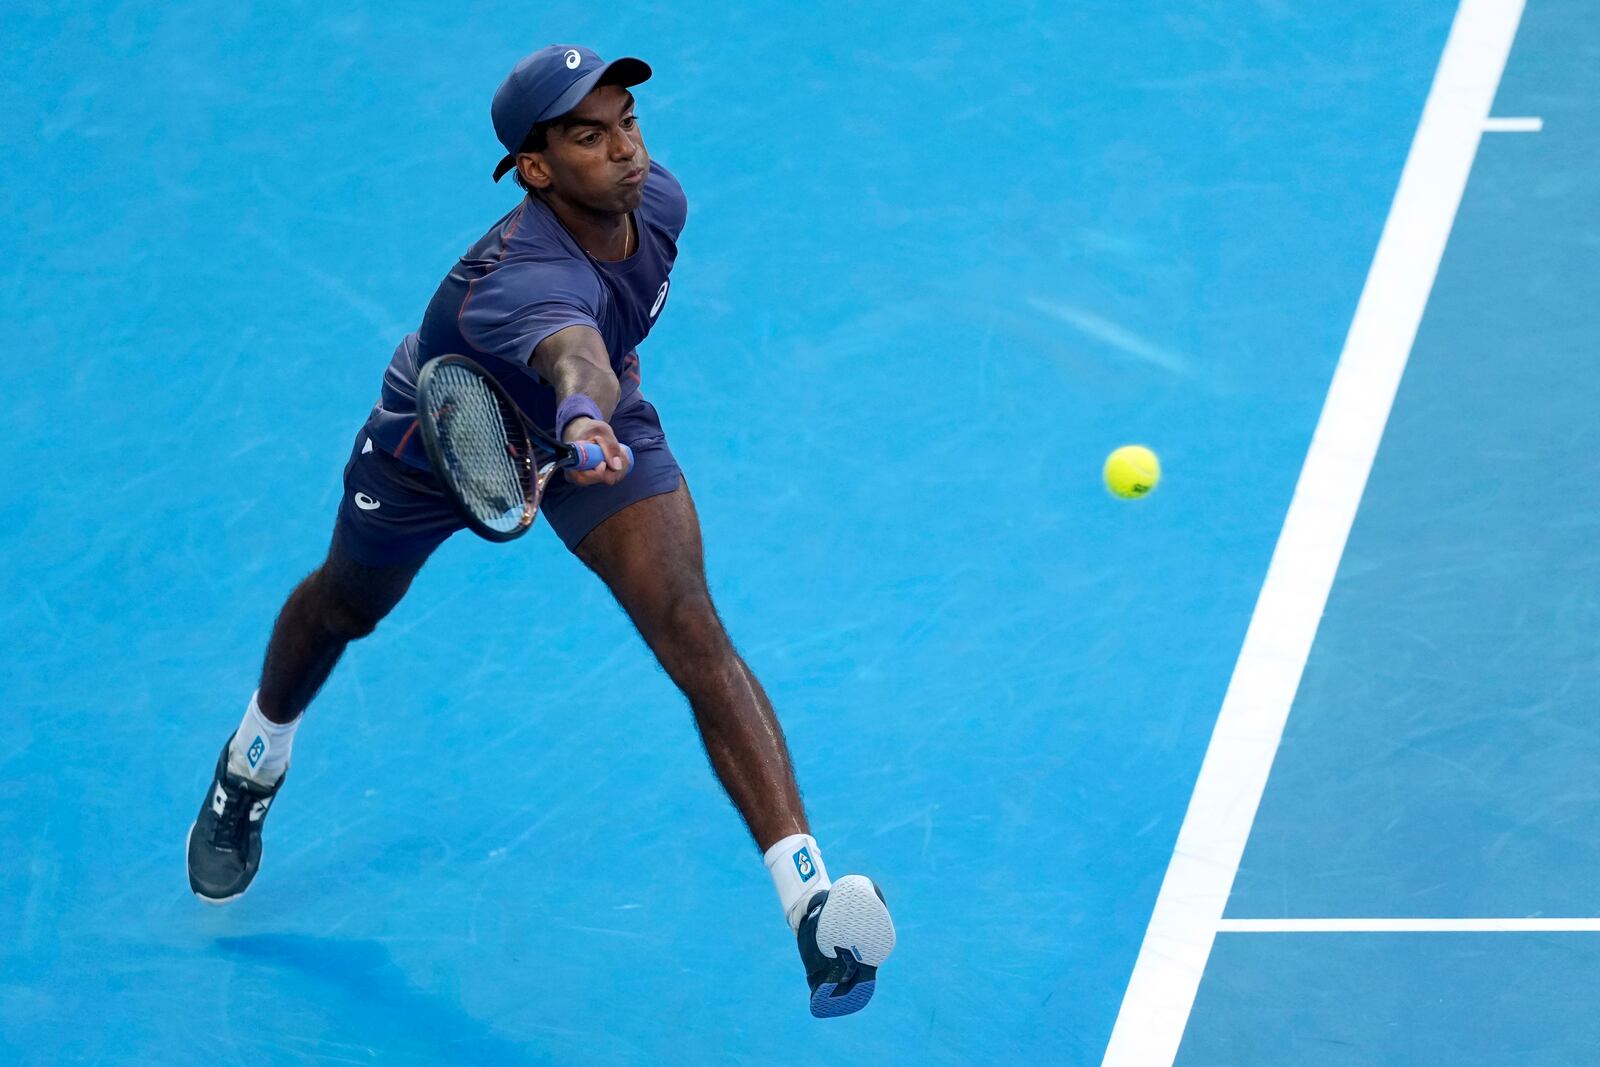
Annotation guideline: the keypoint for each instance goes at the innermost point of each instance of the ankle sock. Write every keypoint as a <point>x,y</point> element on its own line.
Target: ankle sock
<point>795,864</point>
<point>260,748</point>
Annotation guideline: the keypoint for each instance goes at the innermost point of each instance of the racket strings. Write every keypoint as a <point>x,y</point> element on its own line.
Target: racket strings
<point>484,448</point>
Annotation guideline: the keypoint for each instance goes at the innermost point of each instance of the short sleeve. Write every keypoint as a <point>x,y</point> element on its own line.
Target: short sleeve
<point>509,310</point>
<point>668,203</point>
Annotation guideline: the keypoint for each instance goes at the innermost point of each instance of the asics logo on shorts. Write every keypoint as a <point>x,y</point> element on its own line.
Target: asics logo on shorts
<point>366,503</point>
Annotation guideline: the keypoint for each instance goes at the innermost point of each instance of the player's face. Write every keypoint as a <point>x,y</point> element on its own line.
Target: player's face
<point>597,159</point>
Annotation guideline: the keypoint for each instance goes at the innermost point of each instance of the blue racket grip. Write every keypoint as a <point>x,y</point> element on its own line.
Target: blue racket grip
<point>590,456</point>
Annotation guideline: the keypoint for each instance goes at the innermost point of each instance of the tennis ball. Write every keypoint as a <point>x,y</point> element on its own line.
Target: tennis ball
<point>1132,471</point>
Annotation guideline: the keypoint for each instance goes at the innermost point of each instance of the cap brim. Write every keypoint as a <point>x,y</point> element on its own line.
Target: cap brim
<point>624,72</point>
<point>629,70</point>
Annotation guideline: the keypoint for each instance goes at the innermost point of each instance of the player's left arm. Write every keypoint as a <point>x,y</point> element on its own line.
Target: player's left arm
<point>574,362</point>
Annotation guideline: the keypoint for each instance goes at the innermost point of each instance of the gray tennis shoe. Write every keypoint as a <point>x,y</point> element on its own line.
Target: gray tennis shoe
<point>225,840</point>
<point>844,938</point>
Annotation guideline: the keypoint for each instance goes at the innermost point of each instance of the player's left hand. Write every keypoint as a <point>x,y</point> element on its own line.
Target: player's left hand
<point>599,433</point>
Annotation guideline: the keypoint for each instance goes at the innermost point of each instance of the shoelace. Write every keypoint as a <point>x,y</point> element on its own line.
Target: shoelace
<point>228,833</point>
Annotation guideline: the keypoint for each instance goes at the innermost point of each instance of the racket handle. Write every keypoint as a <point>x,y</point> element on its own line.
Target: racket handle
<point>590,456</point>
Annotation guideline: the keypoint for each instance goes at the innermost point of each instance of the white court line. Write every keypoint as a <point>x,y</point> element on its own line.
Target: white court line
<point>1513,125</point>
<point>1407,926</point>
<point>1161,991</point>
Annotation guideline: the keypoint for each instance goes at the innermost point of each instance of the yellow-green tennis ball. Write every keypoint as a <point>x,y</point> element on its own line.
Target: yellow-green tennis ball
<point>1132,471</point>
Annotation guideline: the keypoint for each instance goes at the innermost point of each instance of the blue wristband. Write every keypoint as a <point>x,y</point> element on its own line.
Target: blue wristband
<point>576,406</point>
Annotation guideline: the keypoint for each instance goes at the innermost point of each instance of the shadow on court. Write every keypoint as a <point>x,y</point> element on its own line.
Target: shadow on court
<point>393,1012</point>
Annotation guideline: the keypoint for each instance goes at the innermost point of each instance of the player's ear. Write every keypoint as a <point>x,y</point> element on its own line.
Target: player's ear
<point>531,166</point>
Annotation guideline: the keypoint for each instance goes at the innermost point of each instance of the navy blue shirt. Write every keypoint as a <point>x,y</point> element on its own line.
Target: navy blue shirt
<point>521,282</point>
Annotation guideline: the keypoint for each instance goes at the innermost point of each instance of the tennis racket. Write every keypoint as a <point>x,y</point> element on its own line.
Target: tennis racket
<point>493,462</point>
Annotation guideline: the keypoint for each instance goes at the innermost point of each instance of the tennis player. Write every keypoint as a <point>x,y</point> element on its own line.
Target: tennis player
<point>553,301</point>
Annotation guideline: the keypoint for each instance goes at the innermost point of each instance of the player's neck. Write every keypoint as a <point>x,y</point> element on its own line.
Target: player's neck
<point>605,236</point>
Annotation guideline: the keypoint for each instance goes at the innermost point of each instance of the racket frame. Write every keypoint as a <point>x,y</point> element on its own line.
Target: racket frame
<point>533,476</point>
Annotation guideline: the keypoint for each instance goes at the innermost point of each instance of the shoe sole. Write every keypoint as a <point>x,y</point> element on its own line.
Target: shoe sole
<point>215,902</point>
<point>854,931</point>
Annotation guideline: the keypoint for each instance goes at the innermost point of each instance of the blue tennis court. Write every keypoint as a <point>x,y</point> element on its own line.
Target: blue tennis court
<point>1434,795</point>
<point>935,268</point>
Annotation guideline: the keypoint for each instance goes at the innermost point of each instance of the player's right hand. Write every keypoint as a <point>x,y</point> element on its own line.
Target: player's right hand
<point>599,433</point>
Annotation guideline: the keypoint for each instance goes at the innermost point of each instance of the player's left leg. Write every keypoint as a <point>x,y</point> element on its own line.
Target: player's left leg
<point>649,554</point>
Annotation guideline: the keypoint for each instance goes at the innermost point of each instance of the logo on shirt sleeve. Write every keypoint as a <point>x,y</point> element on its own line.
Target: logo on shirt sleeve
<point>661,298</point>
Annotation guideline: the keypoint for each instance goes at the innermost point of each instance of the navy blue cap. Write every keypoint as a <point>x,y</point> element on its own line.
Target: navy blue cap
<point>547,85</point>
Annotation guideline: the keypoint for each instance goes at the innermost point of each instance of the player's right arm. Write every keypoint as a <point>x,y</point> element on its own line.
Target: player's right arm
<point>545,314</point>
<point>574,361</point>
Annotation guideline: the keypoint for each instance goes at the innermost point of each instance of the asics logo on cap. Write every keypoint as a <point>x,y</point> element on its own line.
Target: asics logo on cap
<point>573,59</point>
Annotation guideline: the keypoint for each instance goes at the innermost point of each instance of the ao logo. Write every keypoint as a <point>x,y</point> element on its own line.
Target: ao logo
<point>573,59</point>
<point>803,864</point>
<point>661,298</point>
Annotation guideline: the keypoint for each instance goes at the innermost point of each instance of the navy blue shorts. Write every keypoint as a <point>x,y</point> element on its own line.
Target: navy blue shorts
<point>392,513</point>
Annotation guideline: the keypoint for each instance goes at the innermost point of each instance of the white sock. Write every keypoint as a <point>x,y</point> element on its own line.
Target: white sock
<point>260,748</point>
<point>798,874</point>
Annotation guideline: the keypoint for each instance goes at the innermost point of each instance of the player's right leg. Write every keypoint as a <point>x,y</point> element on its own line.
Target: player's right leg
<point>390,519</point>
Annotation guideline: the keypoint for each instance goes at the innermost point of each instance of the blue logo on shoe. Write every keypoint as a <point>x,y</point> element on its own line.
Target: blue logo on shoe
<point>258,748</point>
<point>803,864</point>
